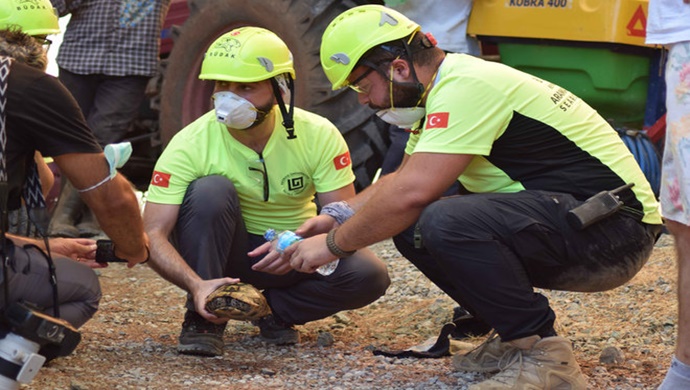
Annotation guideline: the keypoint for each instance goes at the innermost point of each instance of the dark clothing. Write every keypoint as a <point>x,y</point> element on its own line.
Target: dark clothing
<point>41,115</point>
<point>109,102</point>
<point>111,37</point>
<point>210,235</point>
<point>109,52</point>
<point>79,291</point>
<point>489,251</point>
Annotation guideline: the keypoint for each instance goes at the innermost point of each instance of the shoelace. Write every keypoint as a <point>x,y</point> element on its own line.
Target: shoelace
<point>513,362</point>
<point>480,349</point>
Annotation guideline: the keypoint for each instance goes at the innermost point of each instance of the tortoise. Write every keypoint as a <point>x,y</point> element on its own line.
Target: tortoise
<point>239,301</point>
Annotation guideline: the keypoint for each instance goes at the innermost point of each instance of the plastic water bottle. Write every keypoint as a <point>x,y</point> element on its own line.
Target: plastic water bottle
<point>280,242</point>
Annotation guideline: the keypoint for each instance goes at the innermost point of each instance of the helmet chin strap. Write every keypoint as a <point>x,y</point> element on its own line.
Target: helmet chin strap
<point>419,85</point>
<point>288,113</point>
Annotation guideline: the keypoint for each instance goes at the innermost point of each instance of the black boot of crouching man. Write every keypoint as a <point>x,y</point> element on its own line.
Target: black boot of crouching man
<point>274,331</point>
<point>200,337</point>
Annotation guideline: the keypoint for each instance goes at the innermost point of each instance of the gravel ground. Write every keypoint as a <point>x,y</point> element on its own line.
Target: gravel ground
<point>131,342</point>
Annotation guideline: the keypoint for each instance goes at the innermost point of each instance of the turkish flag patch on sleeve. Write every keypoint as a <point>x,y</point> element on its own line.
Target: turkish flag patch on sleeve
<point>437,120</point>
<point>341,161</point>
<point>160,179</point>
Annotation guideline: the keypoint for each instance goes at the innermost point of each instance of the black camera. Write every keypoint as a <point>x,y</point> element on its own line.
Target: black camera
<point>30,338</point>
<point>105,252</point>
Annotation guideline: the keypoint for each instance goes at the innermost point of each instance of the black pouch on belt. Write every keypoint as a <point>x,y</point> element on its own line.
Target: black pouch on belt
<point>596,208</point>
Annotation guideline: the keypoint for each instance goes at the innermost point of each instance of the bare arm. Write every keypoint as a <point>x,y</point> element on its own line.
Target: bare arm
<point>159,220</point>
<point>44,173</point>
<point>396,203</point>
<point>363,196</point>
<point>113,203</point>
<point>402,198</point>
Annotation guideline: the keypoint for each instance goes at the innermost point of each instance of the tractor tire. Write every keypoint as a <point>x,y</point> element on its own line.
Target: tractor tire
<point>300,23</point>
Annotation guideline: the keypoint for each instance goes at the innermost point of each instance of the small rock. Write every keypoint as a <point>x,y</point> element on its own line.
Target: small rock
<point>611,355</point>
<point>324,339</point>
<point>341,318</point>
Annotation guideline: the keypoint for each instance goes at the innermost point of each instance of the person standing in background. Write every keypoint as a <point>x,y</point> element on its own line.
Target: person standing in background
<point>669,25</point>
<point>446,20</point>
<point>108,54</point>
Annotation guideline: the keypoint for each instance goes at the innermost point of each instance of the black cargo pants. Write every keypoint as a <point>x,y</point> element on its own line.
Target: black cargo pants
<point>211,236</point>
<point>489,251</point>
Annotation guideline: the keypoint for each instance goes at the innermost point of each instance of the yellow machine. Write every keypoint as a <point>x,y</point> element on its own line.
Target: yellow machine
<point>613,21</point>
<point>594,48</point>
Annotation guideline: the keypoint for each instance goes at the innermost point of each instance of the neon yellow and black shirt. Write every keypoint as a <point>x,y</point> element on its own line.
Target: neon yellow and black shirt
<point>526,133</point>
<point>317,161</point>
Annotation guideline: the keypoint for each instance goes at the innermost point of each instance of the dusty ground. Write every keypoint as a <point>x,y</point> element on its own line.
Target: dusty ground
<point>130,343</point>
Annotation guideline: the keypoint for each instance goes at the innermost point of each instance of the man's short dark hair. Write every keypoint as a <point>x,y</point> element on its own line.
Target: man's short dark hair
<point>23,48</point>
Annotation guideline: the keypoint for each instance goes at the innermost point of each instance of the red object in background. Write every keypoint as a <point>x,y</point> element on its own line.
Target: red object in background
<point>177,14</point>
<point>656,131</point>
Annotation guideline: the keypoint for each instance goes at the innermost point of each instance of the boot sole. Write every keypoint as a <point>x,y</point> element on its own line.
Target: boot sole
<point>199,350</point>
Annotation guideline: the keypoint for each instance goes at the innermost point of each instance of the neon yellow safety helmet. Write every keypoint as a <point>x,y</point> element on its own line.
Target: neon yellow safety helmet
<point>354,32</point>
<point>36,17</point>
<point>246,54</point>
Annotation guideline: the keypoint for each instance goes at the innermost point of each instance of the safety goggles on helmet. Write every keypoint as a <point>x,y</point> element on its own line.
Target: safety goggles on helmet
<point>37,17</point>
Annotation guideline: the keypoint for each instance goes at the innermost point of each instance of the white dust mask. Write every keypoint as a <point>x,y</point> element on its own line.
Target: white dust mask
<point>233,110</point>
<point>403,117</point>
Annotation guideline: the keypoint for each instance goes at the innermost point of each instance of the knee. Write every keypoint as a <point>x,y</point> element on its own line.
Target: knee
<point>89,297</point>
<point>379,282</point>
<point>462,218</point>
<point>208,196</point>
<point>373,279</point>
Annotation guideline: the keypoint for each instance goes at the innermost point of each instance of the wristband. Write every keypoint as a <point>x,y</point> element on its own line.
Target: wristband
<point>333,247</point>
<point>340,211</point>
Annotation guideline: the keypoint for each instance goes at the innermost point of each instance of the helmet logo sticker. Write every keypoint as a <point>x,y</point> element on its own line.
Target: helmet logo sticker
<point>386,18</point>
<point>266,63</point>
<point>341,58</point>
<point>30,4</point>
<point>224,48</point>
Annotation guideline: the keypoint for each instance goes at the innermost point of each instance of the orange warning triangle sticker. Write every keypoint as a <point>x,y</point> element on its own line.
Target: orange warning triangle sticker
<point>637,26</point>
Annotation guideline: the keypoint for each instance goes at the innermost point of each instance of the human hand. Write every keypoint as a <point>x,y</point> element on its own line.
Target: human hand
<point>82,250</point>
<point>273,263</point>
<point>316,225</point>
<point>309,254</point>
<point>203,289</point>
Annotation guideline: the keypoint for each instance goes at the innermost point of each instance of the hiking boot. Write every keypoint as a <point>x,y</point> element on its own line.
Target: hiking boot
<point>200,337</point>
<point>275,331</point>
<point>484,358</point>
<point>537,364</point>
